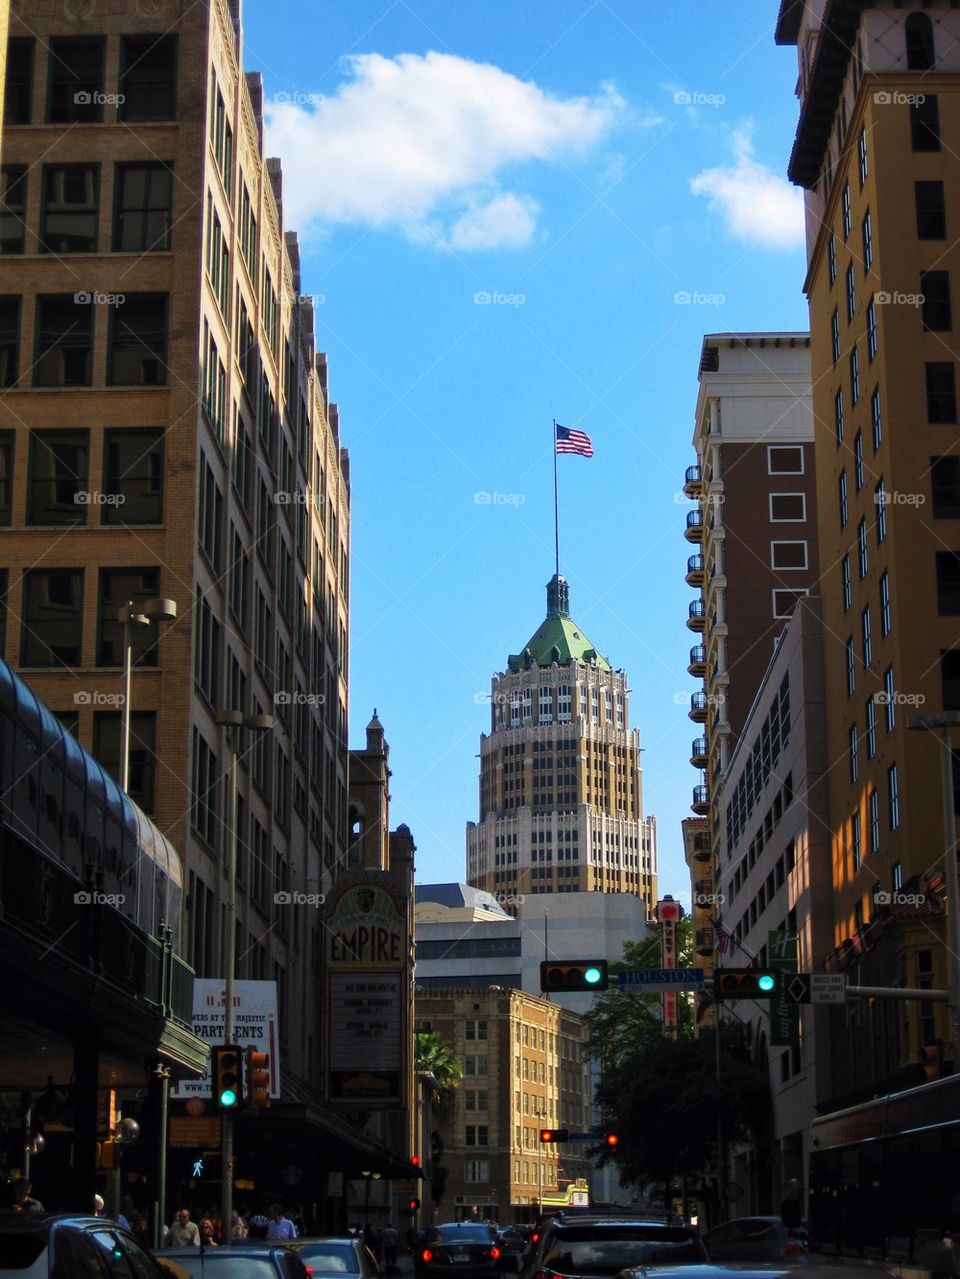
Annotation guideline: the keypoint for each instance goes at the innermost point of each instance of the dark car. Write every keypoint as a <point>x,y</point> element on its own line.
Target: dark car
<point>460,1249</point>
<point>709,1271</point>
<point>237,1261</point>
<point>604,1247</point>
<point>37,1245</point>
<point>343,1255</point>
<point>515,1238</point>
<point>754,1239</point>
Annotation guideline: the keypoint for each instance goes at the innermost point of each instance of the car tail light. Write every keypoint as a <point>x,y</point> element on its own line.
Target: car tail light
<point>426,1255</point>
<point>494,1253</point>
<point>309,1269</point>
<point>794,1249</point>
<point>534,1238</point>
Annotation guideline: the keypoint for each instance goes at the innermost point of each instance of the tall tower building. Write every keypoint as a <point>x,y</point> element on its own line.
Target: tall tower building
<point>561,794</point>
<point>879,107</point>
<point>165,432</point>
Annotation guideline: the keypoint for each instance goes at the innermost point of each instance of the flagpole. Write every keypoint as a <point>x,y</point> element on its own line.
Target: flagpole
<point>556,500</point>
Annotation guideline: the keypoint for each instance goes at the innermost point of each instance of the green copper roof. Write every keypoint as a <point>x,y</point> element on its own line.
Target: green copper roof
<point>558,638</point>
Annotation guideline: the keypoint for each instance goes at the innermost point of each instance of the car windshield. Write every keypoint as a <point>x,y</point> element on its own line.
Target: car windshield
<point>19,1251</point>
<point>332,1258</point>
<point>463,1234</point>
<point>620,1251</point>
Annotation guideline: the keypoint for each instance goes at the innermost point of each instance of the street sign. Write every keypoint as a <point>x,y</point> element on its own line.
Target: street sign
<point>660,979</point>
<point>815,988</point>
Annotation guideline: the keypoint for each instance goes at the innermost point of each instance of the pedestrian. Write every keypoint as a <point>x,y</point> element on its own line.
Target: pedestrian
<point>238,1226</point>
<point>281,1227</point>
<point>206,1234</point>
<point>390,1239</point>
<point>22,1199</point>
<point>183,1231</point>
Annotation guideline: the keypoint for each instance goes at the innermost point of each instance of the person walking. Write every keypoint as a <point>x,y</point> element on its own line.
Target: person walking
<point>391,1241</point>
<point>22,1199</point>
<point>183,1232</point>
<point>281,1227</point>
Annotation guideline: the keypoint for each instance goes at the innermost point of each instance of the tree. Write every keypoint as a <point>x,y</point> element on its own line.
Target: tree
<point>435,1057</point>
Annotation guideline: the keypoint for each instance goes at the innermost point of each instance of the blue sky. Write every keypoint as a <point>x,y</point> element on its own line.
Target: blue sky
<point>581,164</point>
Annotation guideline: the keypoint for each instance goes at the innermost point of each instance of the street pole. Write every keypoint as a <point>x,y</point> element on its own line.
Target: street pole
<point>130,615</point>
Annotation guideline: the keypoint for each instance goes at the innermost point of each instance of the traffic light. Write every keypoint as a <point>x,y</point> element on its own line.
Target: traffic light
<point>554,1134</point>
<point>931,1058</point>
<point>413,1205</point>
<point>258,1079</point>
<point>574,974</point>
<point>415,1160</point>
<point>227,1077</point>
<point>746,983</point>
<point>612,1140</point>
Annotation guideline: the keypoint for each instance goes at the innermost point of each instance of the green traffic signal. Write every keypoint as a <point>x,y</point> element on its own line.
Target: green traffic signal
<point>767,983</point>
<point>574,974</point>
<point>227,1066</point>
<point>746,983</point>
<point>592,975</point>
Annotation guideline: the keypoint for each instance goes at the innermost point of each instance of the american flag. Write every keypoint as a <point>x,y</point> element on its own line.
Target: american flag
<point>569,441</point>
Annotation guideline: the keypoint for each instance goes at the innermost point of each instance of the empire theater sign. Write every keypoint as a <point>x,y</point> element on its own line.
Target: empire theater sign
<point>367,955</point>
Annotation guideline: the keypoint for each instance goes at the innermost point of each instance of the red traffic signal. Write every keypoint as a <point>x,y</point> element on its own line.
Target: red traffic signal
<point>413,1205</point>
<point>574,974</point>
<point>612,1140</point>
<point>554,1134</point>
<point>415,1160</point>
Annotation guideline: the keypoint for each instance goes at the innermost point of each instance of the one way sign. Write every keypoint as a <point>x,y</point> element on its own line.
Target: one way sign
<point>814,988</point>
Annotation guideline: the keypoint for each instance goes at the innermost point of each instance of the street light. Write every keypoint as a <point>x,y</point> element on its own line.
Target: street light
<point>941,725</point>
<point>130,615</point>
<point>233,721</point>
<point>367,1178</point>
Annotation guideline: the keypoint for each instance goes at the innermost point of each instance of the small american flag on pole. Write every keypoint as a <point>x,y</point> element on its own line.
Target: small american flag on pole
<point>570,441</point>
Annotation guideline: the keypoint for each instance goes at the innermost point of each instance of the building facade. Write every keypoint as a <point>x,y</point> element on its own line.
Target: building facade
<point>879,98</point>
<point>165,432</point>
<point>561,784</point>
<point>524,1069</point>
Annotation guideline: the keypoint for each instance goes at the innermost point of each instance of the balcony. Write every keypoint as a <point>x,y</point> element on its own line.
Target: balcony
<point>694,530</point>
<point>701,847</point>
<point>705,941</point>
<point>697,615</point>
<point>703,893</point>
<point>693,481</point>
<point>698,708</point>
<point>701,799</point>
<point>695,571</point>
<point>698,752</point>
<point>697,666</point>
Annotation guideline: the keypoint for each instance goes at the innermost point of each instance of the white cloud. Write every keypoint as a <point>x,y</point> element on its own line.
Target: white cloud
<point>422,143</point>
<point>755,202</point>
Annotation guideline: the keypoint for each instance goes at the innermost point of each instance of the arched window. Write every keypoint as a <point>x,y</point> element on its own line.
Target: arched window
<point>919,33</point>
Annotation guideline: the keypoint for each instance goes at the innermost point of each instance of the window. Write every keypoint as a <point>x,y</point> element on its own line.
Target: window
<point>851,667</point>
<point>107,734</point>
<point>782,460</point>
<point>784,602</point>
<point>9,340</point>
<point>788,555</point>
<point>476,1172</point>
<point>64,341</point>
<point>138,341</point>
<point>931,210</point>
<point>832,257</point>
<point>941,393</point>
<point>13,207</point>
<point>845,203</point>
<point>68,218</point>
<point>862,156</point>
<point>58,491</point>
<point>918,30</point>
<point>148,66</point>
<point>838,415</point>
<point>854,375</point>
<point>132,476</point>
<point>835,334</point>
<point>218,259</point>
<point>880,501</point>
<point>213,384</point>
<point>871,733</point>
<point>876,419</point>
<point>889,700</point>
<point>845,582</point>
<point>925,123</point>
<point>210,515</point>
<point>893,797</point>
<point>862,548</point>
<point>52,617</point>
<point>6,480</point>
<point>945,487</point>
<point>120,586</point>
<point>858,461</point>
<point>885,620</point>
<point>866,636</point>
<point>950,678</point>
<point>144,208</point>
<point>948,583</point>
<point>873,817</point>
<point>854,753</point>
<point>239,580</point>
<point>207,654</point>
<point>75,84</point>
<point>851,293</point>
<point>842,498</point>
<point>476,1030</point>
<point>248,232</point>
<point>476,1135</point>
<point>788,508</point>
<point>872,339</point>
<point>867,233</point>
<point>475,1099</point>
<point>18,89</point>
<point>896,876</point>
<point>204,782</point>
<point>935,287</point>
<point>856,842</point>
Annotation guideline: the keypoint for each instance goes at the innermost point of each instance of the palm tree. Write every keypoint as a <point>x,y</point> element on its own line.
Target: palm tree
<point>434,1057</point>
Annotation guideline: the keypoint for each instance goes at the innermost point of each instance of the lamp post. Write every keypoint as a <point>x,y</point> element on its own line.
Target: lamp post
<point>367,1178</point>
<point>130,615</point>
<point>233,721</point>
<point>941,725</point>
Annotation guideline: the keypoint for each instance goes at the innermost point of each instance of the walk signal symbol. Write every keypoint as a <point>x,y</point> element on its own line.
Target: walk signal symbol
<point>554,1134</point>
<point>746,983</point>
<point>574,974</point>
<point>258,1078</point>
<point>227,1077</point>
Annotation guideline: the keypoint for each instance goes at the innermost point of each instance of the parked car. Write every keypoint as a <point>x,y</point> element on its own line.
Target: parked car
<point>37,1245</point>
<point>343,1255</point>
<point>755,1239</point>
<point>515,1238</point>
<point>605,1246</point>
<point>236,1261</point>
<point>465,1249</point>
